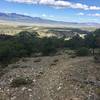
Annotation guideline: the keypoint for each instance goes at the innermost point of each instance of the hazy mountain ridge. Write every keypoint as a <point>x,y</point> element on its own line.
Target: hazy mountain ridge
<point>28,19</point>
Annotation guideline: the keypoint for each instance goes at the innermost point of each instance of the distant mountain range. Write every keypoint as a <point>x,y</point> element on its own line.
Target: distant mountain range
<point>28,19</point>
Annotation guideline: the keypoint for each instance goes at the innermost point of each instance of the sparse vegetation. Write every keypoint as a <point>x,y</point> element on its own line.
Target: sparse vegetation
<point>52,73</point>
<point>50,50</point>
<point>97,57</point>
<point>21,81</point>
<point>56,60</point>
<point>83,52</point>
<point>28,43</point>
<point>37,60</point>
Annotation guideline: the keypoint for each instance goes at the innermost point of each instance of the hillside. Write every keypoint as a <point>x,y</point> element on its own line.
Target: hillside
<point>49,68</point>
<point>49,49</point>
<point>45,31</point>
<point>53,78</point>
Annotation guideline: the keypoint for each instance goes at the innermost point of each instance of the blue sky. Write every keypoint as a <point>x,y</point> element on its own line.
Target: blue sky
<point>62,10</point>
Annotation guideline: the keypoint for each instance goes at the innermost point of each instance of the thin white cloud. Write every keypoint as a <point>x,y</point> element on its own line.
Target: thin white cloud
<point>24,1</point>
<point>44,15</point>
<point>58,4</point>
<point>51,16</point>
<point>96,15</point>
<point>47,16</point>
<point>94,8</point>
<point>83,14</point>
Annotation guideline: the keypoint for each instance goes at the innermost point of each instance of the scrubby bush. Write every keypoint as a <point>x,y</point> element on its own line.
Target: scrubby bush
<point>83,52</point>
<point>21,45</point>
<point>28,43</point>
<point>20,81</point>
<point>48,46</point>
<point>97,57</point>
<point>37,60</point>
<point>10,50</point>
<point>75,42</point>
<point>48,50</point>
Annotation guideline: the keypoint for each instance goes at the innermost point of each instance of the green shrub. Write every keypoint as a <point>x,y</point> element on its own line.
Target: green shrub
<point>23,44</point>
<point>83,52</point>
<point>48,50</point>
<point>97,57</point>
<point>37,60</point>
<point>20,81</point>
<point>48,46</point>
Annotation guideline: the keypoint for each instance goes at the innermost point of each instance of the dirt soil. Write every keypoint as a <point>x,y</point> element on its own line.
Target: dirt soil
<point>54,78</point>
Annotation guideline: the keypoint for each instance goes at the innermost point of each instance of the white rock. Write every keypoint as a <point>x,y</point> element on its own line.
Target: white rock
<point>29,90</point>
<point>24,88</point>
<point>8,90</point>
<point>11,80</point>
<point>30,95</point>
<point>34,80</point>
<point>59,88</point>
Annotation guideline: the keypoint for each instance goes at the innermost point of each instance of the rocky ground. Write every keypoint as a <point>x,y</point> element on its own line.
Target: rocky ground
<point>53,78</point>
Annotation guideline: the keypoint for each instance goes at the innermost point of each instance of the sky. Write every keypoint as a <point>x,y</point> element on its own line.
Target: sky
<point>60,10</point>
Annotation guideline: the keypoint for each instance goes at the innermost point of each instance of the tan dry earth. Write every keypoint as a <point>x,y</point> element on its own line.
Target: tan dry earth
<point>54,78</point>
